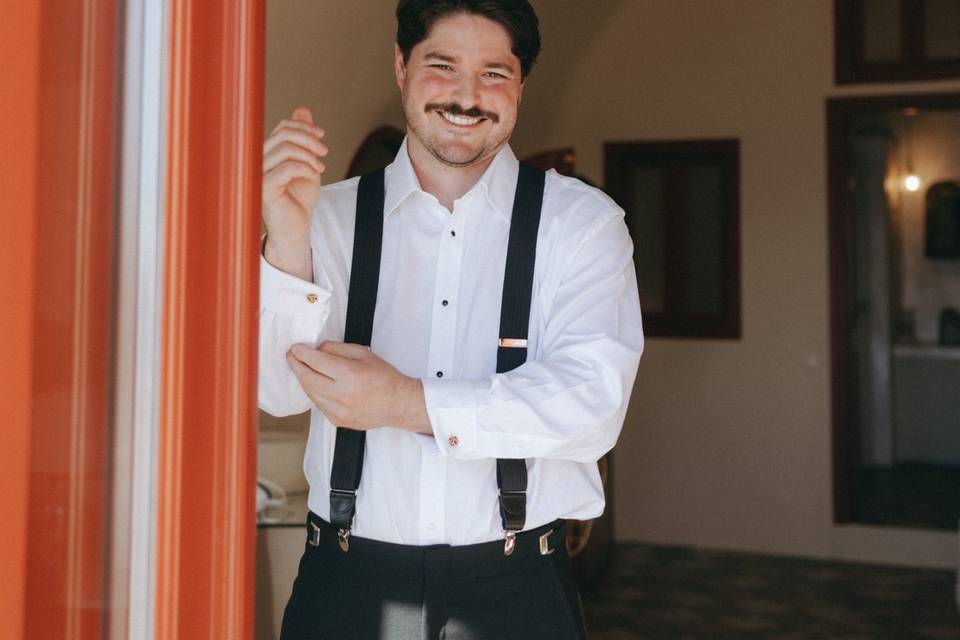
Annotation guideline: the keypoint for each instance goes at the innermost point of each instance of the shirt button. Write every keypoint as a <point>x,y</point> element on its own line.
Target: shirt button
<point>432,526</point>
<point>453,233</point>
<point>439,374</point>
<point>445,303</point>
<point>311,298</point>
<point>454,441</point>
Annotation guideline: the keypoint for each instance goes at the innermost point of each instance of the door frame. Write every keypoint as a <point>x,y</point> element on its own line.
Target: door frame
<point>204,569</point>
<point>206,521</point>
<point>845,432</point>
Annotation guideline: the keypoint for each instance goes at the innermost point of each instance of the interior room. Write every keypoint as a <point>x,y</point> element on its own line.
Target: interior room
<point>789,173</point>
<point>728,470</point>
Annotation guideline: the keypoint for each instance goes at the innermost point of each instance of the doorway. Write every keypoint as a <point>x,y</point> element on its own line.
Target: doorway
<point>894,165</point>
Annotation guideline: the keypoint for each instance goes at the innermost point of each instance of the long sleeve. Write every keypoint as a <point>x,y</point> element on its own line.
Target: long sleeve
<point>569,400</point>
<point>291,311</point>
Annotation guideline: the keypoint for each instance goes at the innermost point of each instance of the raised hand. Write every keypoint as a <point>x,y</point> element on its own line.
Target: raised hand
<point>291,188</point>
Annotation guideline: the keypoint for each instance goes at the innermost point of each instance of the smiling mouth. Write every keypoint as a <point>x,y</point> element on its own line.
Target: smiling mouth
<point>460,120</point>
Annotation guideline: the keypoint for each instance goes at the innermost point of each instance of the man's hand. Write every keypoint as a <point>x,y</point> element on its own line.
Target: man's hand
<point>291,188</point>
<point>357,389</point>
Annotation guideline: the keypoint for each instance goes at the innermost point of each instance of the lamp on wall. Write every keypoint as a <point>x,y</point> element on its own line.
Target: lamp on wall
<point>912,181</point>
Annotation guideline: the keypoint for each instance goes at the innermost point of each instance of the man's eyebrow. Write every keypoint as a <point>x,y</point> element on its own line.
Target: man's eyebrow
<point>440,56</point>
<point>500,65</point>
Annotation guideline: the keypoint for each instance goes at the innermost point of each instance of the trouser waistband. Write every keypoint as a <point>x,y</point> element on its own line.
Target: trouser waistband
<point>483,558</point>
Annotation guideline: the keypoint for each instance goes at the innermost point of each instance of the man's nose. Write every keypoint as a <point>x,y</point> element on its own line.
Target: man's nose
<point>467,91</point>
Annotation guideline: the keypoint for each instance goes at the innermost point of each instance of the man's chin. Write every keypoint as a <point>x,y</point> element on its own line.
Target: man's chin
<point>458,156</point>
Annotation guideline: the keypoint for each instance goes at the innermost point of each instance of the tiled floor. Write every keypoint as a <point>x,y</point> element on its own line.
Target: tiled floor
<point>660,593</point>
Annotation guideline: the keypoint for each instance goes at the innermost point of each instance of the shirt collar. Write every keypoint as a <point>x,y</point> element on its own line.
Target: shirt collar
<point>498,183</point>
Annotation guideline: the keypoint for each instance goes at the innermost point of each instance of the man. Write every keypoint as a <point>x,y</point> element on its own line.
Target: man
<point>436,505</point>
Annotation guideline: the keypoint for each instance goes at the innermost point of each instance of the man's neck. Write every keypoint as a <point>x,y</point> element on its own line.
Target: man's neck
<point>444,182</point>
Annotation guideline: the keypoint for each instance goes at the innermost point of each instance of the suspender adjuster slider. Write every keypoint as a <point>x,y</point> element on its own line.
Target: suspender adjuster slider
<point>545,548</point>
<point>513,509</point>
<point>314,538</point>
<point>513,343</point>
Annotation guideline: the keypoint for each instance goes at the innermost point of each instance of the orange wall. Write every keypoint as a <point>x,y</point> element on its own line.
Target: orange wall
<point>20,52</point>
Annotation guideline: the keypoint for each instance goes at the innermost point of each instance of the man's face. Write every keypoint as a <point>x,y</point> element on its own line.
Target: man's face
<point>461,89</point>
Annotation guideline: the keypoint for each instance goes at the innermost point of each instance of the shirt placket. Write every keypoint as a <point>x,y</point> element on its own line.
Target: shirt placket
<point>433,470</point>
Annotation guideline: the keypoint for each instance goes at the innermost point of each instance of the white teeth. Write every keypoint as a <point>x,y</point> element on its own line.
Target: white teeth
<point>463,121</point>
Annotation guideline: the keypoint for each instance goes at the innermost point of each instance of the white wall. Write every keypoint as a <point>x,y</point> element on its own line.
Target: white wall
<point>336,58</point>
<point>727,443</point>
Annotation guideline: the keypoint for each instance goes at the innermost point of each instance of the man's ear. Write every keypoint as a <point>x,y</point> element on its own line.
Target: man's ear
<point>399,66</point>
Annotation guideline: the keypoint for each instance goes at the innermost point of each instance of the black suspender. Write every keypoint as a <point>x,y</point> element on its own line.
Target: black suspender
<point>514,325</point>
<point>361,303</point>
<point>511,351</point>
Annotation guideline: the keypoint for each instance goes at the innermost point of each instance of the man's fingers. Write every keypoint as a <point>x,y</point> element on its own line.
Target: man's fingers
<point>302,114</point>
<point>305,372</point>
<point>281,175</point>
<point>299,369</point>
<point>290,151</point>
<point>301,126</point>
<point>345,349</point>
<point>327,364</point>
<point>295,136</point>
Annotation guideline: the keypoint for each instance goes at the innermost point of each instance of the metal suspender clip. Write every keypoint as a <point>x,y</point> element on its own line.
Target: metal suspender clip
<point>509,542</point>
<point>343,535</point>
<point>513,343</point>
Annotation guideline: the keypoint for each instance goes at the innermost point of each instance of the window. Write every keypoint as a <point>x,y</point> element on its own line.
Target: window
<point>896,40</point>
<point>682,208</point>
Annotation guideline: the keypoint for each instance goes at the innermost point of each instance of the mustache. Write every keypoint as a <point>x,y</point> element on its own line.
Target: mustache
<point>456,110</point>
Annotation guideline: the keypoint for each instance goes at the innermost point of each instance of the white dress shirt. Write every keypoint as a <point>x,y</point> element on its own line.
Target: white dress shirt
<point>437,319</point>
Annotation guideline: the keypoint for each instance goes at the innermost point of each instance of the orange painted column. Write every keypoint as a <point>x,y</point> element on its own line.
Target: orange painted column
<point>208,430</point>
<point>59,83</point>
<point>19,86</point>
<point>73,310</point>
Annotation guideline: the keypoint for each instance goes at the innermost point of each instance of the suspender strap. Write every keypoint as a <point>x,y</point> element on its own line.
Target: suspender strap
<point>362,301</point>
<point>514,325</point>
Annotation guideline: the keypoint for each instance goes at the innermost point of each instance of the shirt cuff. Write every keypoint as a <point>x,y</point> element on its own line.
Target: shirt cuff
<point>285,294</point>
<point>453,408</point>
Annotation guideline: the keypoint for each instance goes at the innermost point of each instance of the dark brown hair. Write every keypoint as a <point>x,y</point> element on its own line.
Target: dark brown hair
<point>416,17</point>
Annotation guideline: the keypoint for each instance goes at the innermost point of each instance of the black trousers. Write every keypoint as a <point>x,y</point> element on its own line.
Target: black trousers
<point>379,590</point>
